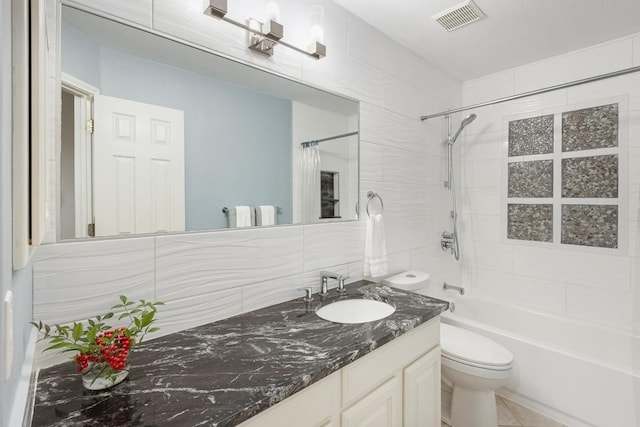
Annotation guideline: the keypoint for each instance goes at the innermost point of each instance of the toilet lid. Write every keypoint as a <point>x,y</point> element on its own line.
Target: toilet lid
<point>467,346</point>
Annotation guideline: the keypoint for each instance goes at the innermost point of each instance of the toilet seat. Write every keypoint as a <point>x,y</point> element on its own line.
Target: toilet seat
<point>473,350</point>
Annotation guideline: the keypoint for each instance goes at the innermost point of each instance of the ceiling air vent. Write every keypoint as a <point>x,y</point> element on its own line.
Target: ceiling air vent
<point>459,15</point>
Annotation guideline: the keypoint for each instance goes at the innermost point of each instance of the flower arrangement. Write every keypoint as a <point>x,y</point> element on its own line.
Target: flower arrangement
<point>102,351</point>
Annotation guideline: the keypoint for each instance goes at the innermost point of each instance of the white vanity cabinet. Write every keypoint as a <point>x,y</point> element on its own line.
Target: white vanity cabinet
<point>396,385</point>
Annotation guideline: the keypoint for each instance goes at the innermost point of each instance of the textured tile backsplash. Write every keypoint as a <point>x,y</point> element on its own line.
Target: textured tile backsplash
<point>594,177</point>
<point>590,225</point>
<point>531,136</point>
<point>590,128</point>
<point>530,222</point>
<point>531,179</point>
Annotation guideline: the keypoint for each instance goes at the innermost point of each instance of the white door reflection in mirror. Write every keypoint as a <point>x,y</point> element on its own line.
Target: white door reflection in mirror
<point>138,167</point>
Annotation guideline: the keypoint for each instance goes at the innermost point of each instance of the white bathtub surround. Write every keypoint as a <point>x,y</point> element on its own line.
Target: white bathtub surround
<point>589,375</point>
<point>576,282</point>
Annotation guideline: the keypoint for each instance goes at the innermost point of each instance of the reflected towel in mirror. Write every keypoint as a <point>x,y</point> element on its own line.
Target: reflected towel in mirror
<point>375,247</point>
<point>265,215</point>
<point>241,216</point>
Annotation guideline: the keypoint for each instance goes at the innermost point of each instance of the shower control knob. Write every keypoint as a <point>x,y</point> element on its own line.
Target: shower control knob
<point>448,241</point>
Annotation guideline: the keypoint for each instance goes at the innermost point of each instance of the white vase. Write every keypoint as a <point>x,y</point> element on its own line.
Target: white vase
<point>93,377</point>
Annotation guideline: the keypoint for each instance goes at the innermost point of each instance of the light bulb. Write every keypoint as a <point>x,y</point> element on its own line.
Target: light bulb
<point>316,31</point>
<point>273,11</point>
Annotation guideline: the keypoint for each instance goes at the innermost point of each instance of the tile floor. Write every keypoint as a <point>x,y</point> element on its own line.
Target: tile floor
<point>511,414</point>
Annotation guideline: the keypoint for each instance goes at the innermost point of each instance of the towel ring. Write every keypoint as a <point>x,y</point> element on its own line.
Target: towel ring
<point>370,196</point>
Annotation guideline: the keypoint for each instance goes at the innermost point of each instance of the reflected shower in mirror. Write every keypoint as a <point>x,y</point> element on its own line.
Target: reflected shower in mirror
<point>159,136</point>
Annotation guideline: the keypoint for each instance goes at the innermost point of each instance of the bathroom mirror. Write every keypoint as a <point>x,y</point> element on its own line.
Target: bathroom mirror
<point>160,136</point>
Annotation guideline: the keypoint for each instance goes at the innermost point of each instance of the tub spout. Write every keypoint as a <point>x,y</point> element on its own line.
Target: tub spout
<point>446,286</point>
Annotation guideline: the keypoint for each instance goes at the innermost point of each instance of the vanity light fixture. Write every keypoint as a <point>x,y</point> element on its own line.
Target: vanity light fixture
<point>264,36</point>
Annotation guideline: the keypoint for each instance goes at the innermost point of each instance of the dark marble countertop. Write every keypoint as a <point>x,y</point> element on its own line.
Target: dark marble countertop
<point>223,373</point>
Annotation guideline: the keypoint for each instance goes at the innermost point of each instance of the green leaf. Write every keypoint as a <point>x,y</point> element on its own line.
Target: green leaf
<point>158,303</point>
<point>56,346</point>
<point>117,306</point>
<point>147,318</point>
<point>123,298</point>
<point>122,316</point>
<point>77,331</point>
<point>152,330</point>
<point>137,322</point>
<point>108,316</point>
<point>91,335</point>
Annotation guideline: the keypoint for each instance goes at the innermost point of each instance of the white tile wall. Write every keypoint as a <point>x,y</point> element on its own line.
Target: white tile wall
<point>75,281</point>
<point>208,276</point>
<point>197,263</point>
<point>581,64</point>
<point>534,293</point>
<point>183,313</point>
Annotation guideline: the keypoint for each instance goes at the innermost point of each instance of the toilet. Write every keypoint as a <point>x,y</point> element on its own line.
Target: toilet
<point>473,366</point>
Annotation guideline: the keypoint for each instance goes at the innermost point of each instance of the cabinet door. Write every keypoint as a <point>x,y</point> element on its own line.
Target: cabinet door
<point>316,406</point>
<point>422,391</point>
<point>380,408</point>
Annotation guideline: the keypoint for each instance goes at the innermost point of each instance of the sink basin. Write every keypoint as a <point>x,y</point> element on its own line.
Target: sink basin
<point>355,311</point>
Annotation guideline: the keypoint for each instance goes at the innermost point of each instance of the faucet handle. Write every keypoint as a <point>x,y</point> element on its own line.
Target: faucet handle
<point>341,280</point>
<point>307,294</point>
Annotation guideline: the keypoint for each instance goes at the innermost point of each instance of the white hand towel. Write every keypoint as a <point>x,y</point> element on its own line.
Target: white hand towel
<point>375,247</point>
<point>266,215</point>
<point>242,217</point>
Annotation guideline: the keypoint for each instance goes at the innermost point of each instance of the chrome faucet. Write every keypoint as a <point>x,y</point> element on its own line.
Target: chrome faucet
<point>324,282</point>
<point>446,286</point>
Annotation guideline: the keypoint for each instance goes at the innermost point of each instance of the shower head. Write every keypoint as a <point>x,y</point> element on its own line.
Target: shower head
<point>465,122</point>
<point>468,119</point>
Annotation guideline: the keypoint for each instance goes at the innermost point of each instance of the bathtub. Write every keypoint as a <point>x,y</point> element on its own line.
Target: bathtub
<point>572,371</point>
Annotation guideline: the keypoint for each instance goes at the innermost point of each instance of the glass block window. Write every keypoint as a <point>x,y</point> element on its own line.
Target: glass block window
<point>590,225</point>
<point>531,179</point>
<point>563,178</point>
<point>594,176</point>
<point>590,128</point>
<point>531,136</point>
<point>530,222</point>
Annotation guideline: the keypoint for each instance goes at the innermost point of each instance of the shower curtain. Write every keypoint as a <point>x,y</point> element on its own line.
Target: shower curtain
<point>310,185</point>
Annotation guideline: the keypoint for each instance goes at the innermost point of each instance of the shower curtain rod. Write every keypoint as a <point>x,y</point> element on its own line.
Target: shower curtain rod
<point>315,141</point>
<point>535,92</point>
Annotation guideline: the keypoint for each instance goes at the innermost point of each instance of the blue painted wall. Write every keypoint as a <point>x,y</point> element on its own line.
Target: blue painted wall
<point>237,142</point>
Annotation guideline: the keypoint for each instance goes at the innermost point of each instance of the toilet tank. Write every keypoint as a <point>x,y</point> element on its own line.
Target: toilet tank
<point>412,280</point>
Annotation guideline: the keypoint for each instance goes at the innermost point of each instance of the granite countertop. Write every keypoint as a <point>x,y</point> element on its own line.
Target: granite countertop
<point>223,373</point>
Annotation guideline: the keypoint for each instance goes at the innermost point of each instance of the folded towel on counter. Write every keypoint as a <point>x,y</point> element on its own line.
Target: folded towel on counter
<point>375,247</point>
<point>266,215</point>
<point>241,216</point>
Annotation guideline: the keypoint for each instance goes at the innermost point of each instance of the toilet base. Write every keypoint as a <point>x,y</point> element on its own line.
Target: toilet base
<point>473,408</point>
